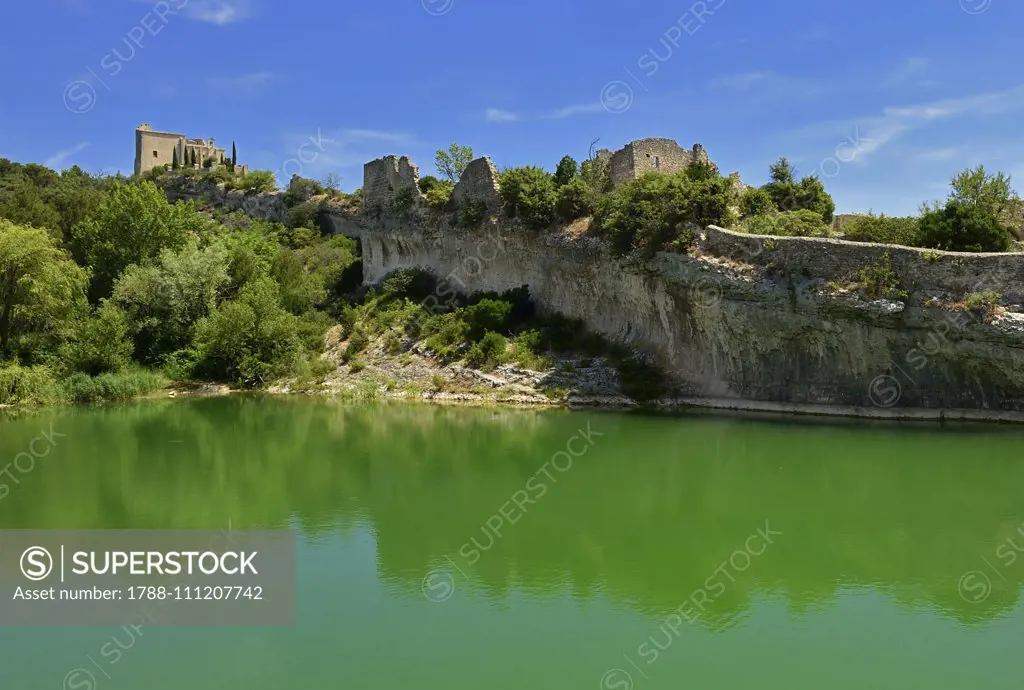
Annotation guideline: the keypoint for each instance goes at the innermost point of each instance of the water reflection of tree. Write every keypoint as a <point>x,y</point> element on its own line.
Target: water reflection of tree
<point>645,517</point>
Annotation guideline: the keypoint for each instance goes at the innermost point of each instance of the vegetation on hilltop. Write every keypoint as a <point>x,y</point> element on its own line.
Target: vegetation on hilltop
<point>981,214</point>
<point>107,289</point>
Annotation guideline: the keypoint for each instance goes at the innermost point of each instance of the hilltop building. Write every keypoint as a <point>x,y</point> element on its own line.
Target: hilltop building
<point>154,148</point>
<point>654,155</point>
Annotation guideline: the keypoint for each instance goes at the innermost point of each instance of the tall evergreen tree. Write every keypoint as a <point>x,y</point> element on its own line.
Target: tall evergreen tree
<point>174,161</point>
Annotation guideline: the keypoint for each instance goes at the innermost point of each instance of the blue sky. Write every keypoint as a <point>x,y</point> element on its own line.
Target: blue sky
<point>885,100</point>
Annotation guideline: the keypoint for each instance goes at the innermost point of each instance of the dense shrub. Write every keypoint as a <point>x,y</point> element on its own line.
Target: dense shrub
<point>250,339</point>
<point>701,170</point>
<point>489,351</point>
<point>28,385</point>
<point>300,189</point>
<point>529,194</point>
<point>792,224</point>
<point>123,385</point>
<point>963,227</point>
<point>567,170</point>
<point>883,229</point>
<point>254,182</point>
<point>574,200</point>
<point>305,214</point>
<point>659,210</point>
<point>100,344</point>
<point>789,195</point>
<point>470,213</point>
<point>437,192</point>
<point>755,202</point>
<point>488,315</point>
<point>415,283</point>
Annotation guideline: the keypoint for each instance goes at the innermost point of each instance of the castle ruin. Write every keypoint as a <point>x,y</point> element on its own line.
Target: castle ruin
<point>649,155</point>
<point>154,148</point>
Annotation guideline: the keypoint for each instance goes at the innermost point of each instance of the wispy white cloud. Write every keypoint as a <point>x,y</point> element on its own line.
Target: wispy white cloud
<point>910,71</point>
<point>57,160</point>
<point>496,115</point>
<point>500,116</point>
<point>876,131</point>
<point>248,84</point>
<point>219,12</point>
<point>573,110</point>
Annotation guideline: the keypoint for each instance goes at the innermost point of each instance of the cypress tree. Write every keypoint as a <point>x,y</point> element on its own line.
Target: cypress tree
<point>234,156</point>
<point>174,161</point>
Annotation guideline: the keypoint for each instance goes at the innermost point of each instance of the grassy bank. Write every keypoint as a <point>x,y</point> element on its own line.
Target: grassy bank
<point>39,385</point>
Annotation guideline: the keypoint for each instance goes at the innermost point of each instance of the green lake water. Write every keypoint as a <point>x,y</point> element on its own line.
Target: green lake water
<point>449,549</point>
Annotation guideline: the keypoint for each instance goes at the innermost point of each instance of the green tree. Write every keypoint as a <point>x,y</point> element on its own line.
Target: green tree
<point>811,195</point>
<point>99,344</point>
<point>991,192</point>
<point>438,192</point>
<point>251,338</point>
<point>234,156</point>
<point>174,160</point>
<point>962,227</point>
<point>529,194</point>
<point>802,223</point>
<point>595,173</point>
<point>567,170</point>
<point>781,171</point>
<point>807,194</point>
<point>701,170</point>
<point>660,211</point>
<point>40,284</point>
<point>22,203</point>
<point>453,162</point>
<point>76,196</point>
<point>756,201</point>
<point>131,226</point>
<point>301,291</point>
<point>332,182</point>
<point>573,200</point>
<point>258,182</point>
<point>164,302</point>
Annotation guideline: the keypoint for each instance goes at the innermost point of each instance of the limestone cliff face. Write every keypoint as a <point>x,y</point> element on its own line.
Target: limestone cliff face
<point>744,317</point>
<point>741,317</point>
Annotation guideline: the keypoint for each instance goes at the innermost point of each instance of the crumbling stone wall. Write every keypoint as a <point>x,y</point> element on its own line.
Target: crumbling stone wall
<point>478,184</point>
<point>386,178</point>
<point>650,155</point>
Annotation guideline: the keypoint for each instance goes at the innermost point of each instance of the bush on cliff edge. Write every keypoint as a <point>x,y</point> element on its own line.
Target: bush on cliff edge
<point>660,210</point>
<point>963,227</point>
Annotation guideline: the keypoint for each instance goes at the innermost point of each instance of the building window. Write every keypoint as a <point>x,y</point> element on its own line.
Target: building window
<point>156,155</point>
<point>655,162</point>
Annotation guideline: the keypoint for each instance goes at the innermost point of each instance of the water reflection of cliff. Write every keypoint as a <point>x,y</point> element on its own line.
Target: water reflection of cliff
<point>644,517</point>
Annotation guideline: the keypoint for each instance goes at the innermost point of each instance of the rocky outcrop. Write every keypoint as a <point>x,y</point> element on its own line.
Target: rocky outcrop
<point>184,188</point>
<point>775,320</point>
<point>742,321</point>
